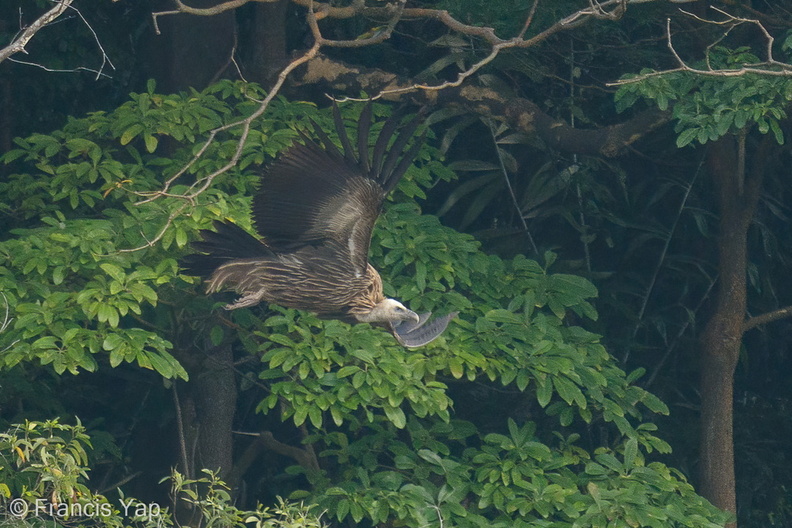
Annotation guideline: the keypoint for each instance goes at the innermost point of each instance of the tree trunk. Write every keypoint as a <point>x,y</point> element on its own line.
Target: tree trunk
<point>192,51</point>
<point>214,393</point>
<point>206,410</point>
<point>268,42</point>
<point>722,337</point>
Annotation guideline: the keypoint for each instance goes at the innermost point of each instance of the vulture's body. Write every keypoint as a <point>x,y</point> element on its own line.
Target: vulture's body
<point>315,211</point>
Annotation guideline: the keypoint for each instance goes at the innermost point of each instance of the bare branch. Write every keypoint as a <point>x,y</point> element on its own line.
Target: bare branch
<point>18,45</point>
<point>768,317</point>
<point>498,44</point>
<point>520,113</point>
<point>181,7</point>
<point>377,38</point>
<point>528,20</point>
<point>302,456</point>
<point>105,58</point>
<point>770,67</point>
<point>6,322</point>
<point>21,40</point>
<point>7,317</point>
<point>732,22</point>
<point>98,73</point>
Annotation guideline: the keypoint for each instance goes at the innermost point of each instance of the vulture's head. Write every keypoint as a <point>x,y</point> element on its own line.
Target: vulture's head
<point>390,311</point>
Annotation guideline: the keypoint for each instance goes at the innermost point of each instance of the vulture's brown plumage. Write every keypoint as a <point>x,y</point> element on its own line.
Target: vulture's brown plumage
<point>315,210</point>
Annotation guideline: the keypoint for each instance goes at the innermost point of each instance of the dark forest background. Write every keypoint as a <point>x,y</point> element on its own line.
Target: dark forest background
<point>608,176</point>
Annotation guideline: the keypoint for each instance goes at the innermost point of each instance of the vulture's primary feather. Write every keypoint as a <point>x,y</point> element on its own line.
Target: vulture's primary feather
<point>315,210</point>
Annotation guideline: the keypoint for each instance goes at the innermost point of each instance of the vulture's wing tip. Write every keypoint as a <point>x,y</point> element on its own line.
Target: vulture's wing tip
<point>415,334</point>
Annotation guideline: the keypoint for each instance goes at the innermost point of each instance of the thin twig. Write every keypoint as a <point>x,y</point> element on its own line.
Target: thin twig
<point>7,319</point>
<point>509,187</point>
<point>49,18</point>
<point>528,20</point>
<point>98,73</point>
<point>201,185</point>
<point>180,431</point>
<point>105,58</point>
<point>660,364</point>
<point>118,484</point>
<point>163,230</point>
<point>661,260</point>
<point>584,238</point>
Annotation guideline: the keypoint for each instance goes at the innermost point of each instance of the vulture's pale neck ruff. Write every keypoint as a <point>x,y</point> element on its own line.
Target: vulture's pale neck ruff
<point>388,311</point>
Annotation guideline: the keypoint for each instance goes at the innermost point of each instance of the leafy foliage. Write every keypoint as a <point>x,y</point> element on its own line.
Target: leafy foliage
<point>91,280</point>
<point>43,465</point>
<point>211,497</point>
<point>44,459</point>
<point>707,107</point>
<point>74,286</point>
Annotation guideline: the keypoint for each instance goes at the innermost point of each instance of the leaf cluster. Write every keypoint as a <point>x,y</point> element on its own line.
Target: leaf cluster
<point>45,465</point>
<point>74,213</point>
<point>709,106</point>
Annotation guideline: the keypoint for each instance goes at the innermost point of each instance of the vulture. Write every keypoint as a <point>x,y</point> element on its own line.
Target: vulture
<point>314,211</point>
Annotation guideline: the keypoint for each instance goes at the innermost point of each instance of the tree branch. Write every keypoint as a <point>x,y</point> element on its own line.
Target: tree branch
<point>303,457</point>
<point>521,114</point>
<point>20,41</point>
<point>768,317</point>
<point>770,67</point>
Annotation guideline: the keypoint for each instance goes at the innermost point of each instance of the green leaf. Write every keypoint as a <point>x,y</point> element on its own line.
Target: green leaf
<point>630,452</point>
<point>503,316</point>
<point>610,462</point>
<point>396,416</point>
<point>777,132</point>
<point>544,391</point>
<point>343,372</point>
<point>686,137</point>
<point>216,335</point>
<point>114,271</point>
<point>113,342</point>
<point>151,142</point>
<point>130,133</point>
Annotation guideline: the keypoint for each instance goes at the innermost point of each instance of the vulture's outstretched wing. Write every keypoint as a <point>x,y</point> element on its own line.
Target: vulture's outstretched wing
<point>227,243</point>
<point>315,211</point>
<point>316,194</point>
<point>414,334</point>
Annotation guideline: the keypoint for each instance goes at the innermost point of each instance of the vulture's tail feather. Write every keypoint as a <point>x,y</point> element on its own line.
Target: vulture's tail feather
<point>381,146</point>
<point>227,242</point>
<point>349,153</point>
<point>393,178</point>
<point>388,176</point>
<point>329,147</point>
<point>364,123</point>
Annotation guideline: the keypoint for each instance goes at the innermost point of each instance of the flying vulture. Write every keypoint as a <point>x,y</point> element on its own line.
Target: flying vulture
<point>315,210</point>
